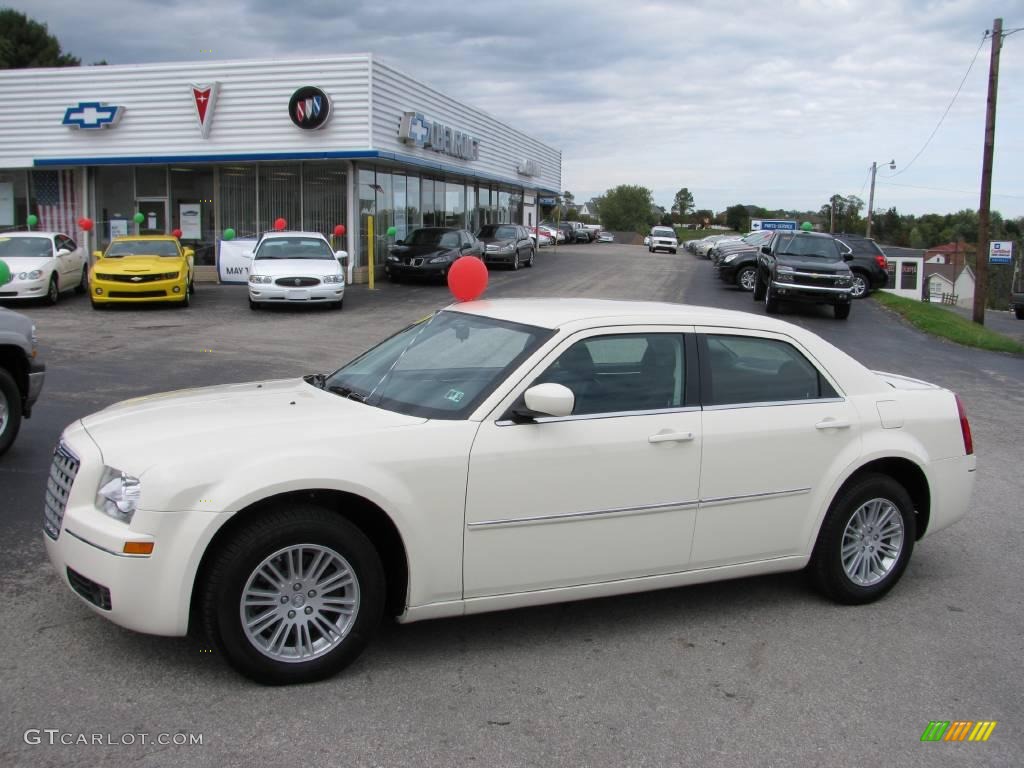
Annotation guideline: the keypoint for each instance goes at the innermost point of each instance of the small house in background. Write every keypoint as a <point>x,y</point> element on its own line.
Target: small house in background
<point>945,284</point>
<point>954,254</point>
<point>906,271</point>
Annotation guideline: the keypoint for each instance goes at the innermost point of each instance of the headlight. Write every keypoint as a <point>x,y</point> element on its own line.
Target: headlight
<point>333,279</point>
<point>507,248</point>
<point>259,278</point>
<point>35,274</point>
<point>784,274</point>
<point>441,259</point>
<point>730,257</point>
<point>118,494</point>
<point>393,258</point>
<point>844,281</point>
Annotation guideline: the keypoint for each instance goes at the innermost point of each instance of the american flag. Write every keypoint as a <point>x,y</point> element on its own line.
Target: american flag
<point>56,200</point>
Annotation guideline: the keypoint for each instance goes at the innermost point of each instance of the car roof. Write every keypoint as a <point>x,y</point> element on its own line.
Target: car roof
<point>558,312</point>
<point>290,233</point>
<point>172,238</point>
<point>31,232</point>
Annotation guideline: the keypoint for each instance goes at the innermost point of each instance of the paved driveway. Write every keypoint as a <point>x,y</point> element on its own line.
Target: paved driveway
<point>756,671</point>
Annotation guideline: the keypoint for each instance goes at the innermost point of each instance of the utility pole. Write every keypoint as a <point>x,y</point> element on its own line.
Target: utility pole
<point>871,195</point>
<point>981,282</point>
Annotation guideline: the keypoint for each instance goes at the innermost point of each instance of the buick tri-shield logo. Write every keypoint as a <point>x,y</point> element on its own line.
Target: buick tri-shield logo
<point>309,108</point>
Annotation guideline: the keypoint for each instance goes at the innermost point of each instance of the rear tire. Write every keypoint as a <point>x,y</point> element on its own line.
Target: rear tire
<point>1019,312</point>
<point>746,278</point>
<point>10,411</point>
<point>861,286</point>
<point>346,599</point>
<point>865,541</point>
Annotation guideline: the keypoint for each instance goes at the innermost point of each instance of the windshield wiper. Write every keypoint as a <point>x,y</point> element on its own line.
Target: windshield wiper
<point>347,392</point>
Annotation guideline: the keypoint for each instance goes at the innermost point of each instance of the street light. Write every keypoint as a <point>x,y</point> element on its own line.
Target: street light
<point>871,196</point>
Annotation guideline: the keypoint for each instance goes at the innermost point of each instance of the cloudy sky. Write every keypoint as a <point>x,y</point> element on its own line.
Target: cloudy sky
<point>779,104</point>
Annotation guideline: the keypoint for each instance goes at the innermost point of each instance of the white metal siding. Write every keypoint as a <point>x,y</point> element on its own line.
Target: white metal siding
<point>251,114</point>
<point>501,148</point>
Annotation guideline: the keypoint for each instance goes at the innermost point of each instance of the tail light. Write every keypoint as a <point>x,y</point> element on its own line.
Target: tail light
<point>880,259</point>
<point>965,427</point>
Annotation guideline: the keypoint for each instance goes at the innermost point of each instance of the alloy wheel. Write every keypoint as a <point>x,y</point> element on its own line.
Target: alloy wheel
<point>299,603</point>
<point>860,286</point>
<point>872,542</point>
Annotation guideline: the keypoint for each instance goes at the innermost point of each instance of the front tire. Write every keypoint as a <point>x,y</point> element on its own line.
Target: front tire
<point>746,279</point>
<point>842,311</point>
<point>1019,312</point>
<point>254,306</point>
<point>83,284</point>
<point>533,255</point>
<point>771,304</point>
<point>759,289</point>
<point>10,411</point>
<point>865,542</point>
<point>295,596</point>
<point>515,262</point>
<point>53,291</point>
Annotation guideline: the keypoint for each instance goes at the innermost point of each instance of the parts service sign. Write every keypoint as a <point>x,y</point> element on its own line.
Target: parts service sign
<point>416,130</point>
<point>756,224</point>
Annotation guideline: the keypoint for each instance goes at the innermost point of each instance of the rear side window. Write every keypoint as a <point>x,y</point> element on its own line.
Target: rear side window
<point>748,369</point>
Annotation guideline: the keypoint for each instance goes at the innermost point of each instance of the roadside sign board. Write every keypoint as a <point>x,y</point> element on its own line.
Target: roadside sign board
<point>756,224</point>
<point>1000,251</point>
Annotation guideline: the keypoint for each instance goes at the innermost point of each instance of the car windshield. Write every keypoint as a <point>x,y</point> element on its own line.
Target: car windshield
<point>120,248</point>
<point>442,238</point>
<point>498,232</point>
<point>294,248</point>
<point>33,247</point>
<point>441,367</point>
<point>757,238</point>
<point>809,247</point>
<point>663,233</point>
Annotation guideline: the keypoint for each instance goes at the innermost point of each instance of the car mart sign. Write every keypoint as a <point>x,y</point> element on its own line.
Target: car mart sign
<point>756,224</point>
<point>415,129</point>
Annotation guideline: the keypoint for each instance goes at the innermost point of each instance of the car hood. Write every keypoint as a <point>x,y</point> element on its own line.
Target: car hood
<point>27,263</point>
<point>802,264</point>
<point>498,241</point>
<point>232,419</point>
<point>138,265</point>
<point>420,250</point>
<point>282,267</point>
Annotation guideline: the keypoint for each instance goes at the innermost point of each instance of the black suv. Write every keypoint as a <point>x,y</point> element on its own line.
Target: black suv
<point>21,373</point>
<point>737,262</point>
<point>869,267</point>
<point>806,267</point>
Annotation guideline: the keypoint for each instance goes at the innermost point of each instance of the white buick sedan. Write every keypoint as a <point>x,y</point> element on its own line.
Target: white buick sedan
<point>289,267</point>
<point>43,265</point>
<point>501,454</point>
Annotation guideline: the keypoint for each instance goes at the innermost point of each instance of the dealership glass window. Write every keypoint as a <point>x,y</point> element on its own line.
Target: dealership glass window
<point>55,199</point>
<point>455,205</point>
<point>427,201</point>
<point>504,207</point>
<point>515,207</point>
<point>908,276</point>
<point>13,199</point>
<point>115,203</point>
<point>237,199</point>
<point>385,215</point>
<point>323,197</point>
<point>367,208</point>
<point>279,195</point>
<point>192,210</point>
<point>412,202</point>
<point>400,211</point>
<point>151,181</point>
<point>472,213</point>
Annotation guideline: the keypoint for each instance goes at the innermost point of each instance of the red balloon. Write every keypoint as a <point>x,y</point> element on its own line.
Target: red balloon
<point>280,224</point>
<point>467,278</point>
<point>339,230</point>
<point>176,233</point>
<point>85,224</point>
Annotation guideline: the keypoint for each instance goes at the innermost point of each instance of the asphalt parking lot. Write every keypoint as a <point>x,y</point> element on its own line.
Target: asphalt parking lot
<point>756,671</point>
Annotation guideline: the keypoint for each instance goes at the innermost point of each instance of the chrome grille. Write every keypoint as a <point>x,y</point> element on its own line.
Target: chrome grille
<point>296,282</point>
<point>58,488</point>
<point>138,278</point>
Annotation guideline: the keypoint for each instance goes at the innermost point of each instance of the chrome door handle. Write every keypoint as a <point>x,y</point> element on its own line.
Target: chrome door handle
<point>833,424</point>
<point>671,437</point>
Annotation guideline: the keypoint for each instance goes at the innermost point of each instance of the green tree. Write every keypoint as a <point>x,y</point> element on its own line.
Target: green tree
<point>27,43</point>
<point>704,216</point>
<point>683,203</point>
<point>736,217</point>
<point>627,208</point>
<point>569,199</point>
<point>844,212</point>
<point>666,219</point>
<point>917,239</point>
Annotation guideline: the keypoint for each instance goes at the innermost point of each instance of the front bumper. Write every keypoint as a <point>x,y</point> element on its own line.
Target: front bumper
<point>116,292</point>
<point>145,593</point>
<point>499,257</point>
<point>25,289</point>
<point>814,294</point>
<point>36,375</point>
<point>424,271</point>
<point>666,245</point>
<point>322,293</point>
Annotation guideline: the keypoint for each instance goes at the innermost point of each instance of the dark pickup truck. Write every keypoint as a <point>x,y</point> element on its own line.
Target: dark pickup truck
<point>805,267</point>
<point>21,374</point>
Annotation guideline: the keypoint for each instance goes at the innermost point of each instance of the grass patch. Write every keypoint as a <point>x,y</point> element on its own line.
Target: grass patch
<point>949,325</point>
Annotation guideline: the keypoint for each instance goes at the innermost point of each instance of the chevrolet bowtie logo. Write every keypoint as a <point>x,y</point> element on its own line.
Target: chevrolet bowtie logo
<point>91,115</point>
<point>136,279</point>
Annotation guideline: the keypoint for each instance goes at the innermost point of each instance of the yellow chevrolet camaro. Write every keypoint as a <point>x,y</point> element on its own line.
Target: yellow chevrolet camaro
<point>142,268</point>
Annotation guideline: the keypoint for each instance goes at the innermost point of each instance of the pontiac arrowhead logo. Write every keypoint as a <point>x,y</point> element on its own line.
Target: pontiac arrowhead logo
<point>91,115</point>
<point>204,98</point>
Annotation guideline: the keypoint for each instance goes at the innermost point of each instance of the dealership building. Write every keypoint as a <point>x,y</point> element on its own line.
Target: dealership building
<point>210,145</point>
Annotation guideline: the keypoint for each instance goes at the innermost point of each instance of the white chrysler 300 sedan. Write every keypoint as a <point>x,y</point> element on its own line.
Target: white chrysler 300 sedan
<point>495,455</point>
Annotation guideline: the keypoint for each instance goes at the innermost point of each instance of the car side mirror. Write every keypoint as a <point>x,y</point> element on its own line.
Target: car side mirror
<point>189,253</point>
<point>399,242</point>
<point>766,250</point>
<point>63,252</point>
<point>97,254</point>
<point>550,399</point>
<point>847,257</point>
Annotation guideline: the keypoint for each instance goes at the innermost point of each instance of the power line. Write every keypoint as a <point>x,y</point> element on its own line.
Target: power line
<point>866,177</point>
<point>970,66</point>
<point>944,189</point>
